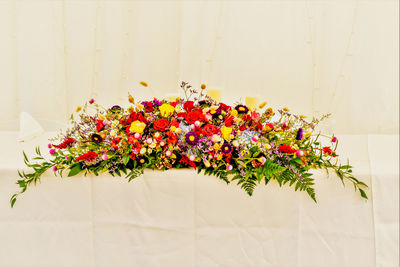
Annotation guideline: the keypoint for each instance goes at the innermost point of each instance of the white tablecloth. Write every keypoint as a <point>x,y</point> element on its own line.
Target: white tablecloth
<point>178,218</point>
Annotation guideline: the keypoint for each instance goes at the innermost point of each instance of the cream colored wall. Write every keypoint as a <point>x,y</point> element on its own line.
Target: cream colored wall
<point>312,56</point>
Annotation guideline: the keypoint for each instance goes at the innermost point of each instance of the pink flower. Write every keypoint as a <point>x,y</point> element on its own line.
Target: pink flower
<point>255,116</point>
<point>229,167</point>
<point>52,151</point>
<point>262,160</point>
<point>208,117</point>
<point>168,153</point>
<point>299,153</point>
<point>192,157</point>
<point>91,101</point>
<point>162,143</point>
<point>54,168</point>
<point>104,157</point>
<point>254,139</point>
<point>49,145</point>
<point>137,136</point>
<point>334,139</point>
<point>149,141</point>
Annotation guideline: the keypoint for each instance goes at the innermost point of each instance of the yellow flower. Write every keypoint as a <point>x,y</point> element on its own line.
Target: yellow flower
<point>286,109</point>
<point>166,110</point>
<point>178,109</point>
<point>131,99</point>
<point>144,83</point>
<point>217,146</point>
<point>203,86</point>
<point>262,105</point>
<point>78,109</point>
<point>308,134</point>
<point>131,109</point>
<point>101,117</point>
<point>219,157</point>
<point>139,106</point>
<point>234,112</point>
<point>267,146</point>
<point>137,127</point>
<point>303,116</point>
<point>269,113</point>
<point>226,133</point>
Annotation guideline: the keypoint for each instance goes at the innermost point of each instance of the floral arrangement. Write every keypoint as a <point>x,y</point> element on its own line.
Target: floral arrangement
<point>234,143</point>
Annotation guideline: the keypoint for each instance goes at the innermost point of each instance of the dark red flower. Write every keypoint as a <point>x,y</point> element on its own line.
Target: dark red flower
<point>88,156</point>
<point>287,149</point>
<point>228,121</point>
<point>66,143</point>
<point>149,107</point>
<point>242,127</point>
<point>211,129</point>
<point>186,160</point>
<point>224,107</point>
<point>193,116</point>
<point>188,106</point>
<point>161,125</point>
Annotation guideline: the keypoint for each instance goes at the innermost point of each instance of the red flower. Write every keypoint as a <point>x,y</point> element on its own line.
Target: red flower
<point>66,143</point>
<point>88,156</point>
<point>149,107</point>
<point>188,106</point>
<point>99,125</point>
<point>228,121</point>
<point>247,117</point>
<point>242,127</point>
<point>173,104</point>
<point>193,116</point>
<point>174,123</point>
<point>131,139</point>
<point>161,125</point>
<point>224,107</point>
<point>327,150</point>
<point>186,160</point>
<point>171,138</point>
<point>211,129</point>
<point>136,147</point>
<point>287,149</point>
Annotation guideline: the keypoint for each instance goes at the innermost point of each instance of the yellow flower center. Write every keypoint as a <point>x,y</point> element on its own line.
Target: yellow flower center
<point>191,138</point>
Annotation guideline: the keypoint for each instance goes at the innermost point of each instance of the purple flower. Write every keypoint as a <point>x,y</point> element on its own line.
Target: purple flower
<point>299,135</point>
<point>115,109</point>
<point>157,102</point>
<point>226,148</point>
<point>192,138</point>
<point>96,138</point>
<point>242,109</point>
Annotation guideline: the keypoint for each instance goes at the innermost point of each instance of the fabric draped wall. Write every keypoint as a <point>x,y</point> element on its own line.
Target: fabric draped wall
<point>313,56</point>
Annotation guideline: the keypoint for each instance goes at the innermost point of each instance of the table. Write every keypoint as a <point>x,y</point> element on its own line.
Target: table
<point>178,218</point>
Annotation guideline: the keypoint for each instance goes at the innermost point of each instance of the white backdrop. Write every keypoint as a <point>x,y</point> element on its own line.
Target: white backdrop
<point>312,56</point>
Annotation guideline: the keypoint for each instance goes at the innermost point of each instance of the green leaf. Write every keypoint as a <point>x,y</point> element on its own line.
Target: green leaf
<point>363,194</point>
<point>126,159</point>
<point>75,170</point>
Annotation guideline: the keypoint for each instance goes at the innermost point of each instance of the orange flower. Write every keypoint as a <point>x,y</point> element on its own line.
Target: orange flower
<point>144,83</point>
<point>203,86</point>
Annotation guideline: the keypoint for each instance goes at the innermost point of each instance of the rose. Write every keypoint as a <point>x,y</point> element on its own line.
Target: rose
<point>137,127</point>
<point>166,110</point>
<point>211,129</point>
<point>188,106</point>
<point>193,116</point>
<point>161,125</point>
